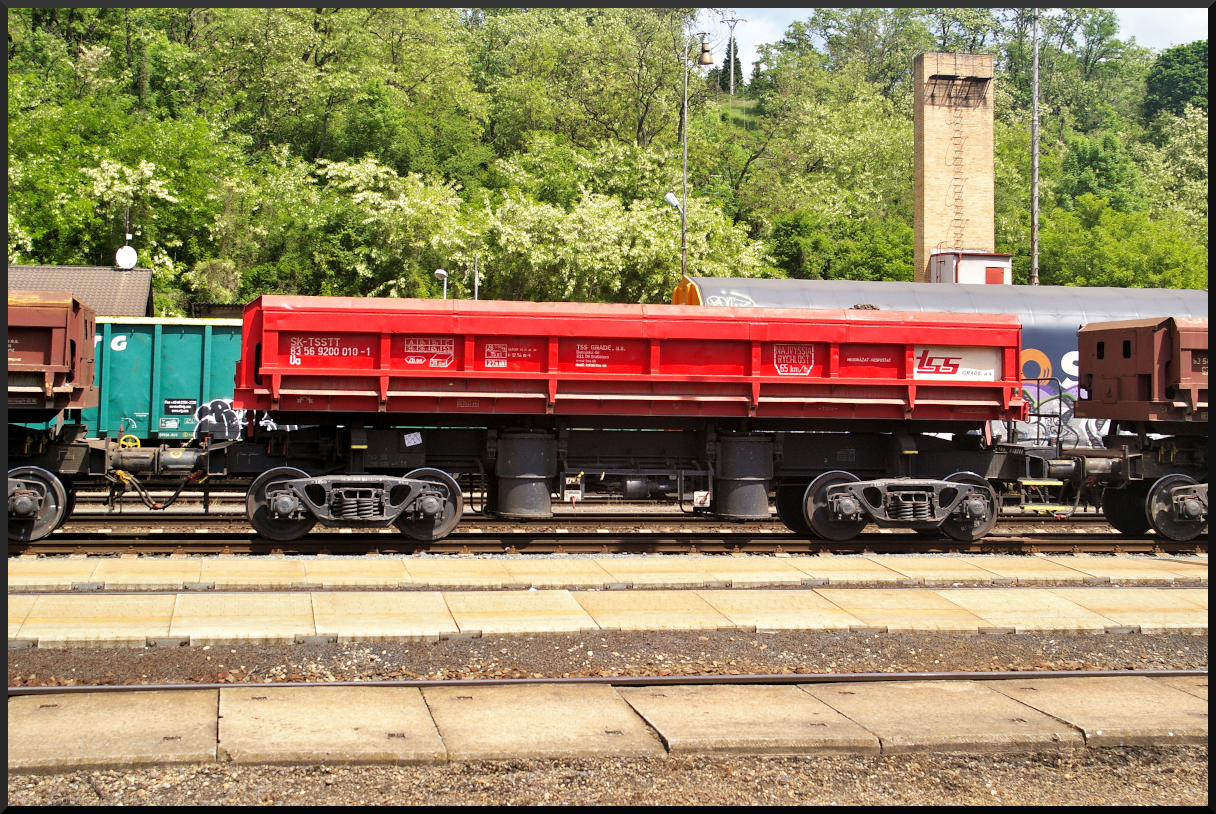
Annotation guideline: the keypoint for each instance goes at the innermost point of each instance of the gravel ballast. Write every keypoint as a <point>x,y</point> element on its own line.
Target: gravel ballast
<point>1116,776</point>
<point>608,654</point>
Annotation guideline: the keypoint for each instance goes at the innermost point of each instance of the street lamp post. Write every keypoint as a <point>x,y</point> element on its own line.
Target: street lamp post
<point>705,58</point>
<point>443,275</point>
<point>1034,158</point>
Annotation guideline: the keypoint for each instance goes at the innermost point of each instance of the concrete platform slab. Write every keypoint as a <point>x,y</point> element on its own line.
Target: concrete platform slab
<point>18,608</point>
<point>382,616</point>
<point>849,571</point>
<point>147,574</point>
<point>940,570</point>
<point>116,730</point>
<point>1125,570</point>
<point>779,610</point>
<point>1186,571</point>
<point>1031,610</point>
<point>351,572</point>
<point>48,575</point>
<point>658,572</point>
<point>1196,596</point>
<point>329,725</point>
<point>496,614</point>
<point>463,573</point>
<point>747,720</point>
<point>1153,610</point>
<point>538,721</point>
<point>247,572</point>
<point>1037,570</point>
<point>904,610</point>
<point>651,610</point>
<point>949,716</point>
<point>749,572</point>
<point>255,618</point>
<point>61,621</point>
<point>1195,685</point>
<point>558,573</point>
<point>1117,711</point>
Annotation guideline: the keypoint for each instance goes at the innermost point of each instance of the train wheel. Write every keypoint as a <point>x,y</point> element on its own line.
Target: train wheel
<point>819,516</point>
<point>789,508</point>
<point>37,503</point>
<point>262,515</point>
<point>1124,508</point>
<point>1159,508</point>
<point>969,528</point>
<point>440,514</point>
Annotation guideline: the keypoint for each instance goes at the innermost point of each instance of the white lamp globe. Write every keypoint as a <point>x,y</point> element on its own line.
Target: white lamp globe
<point>126,257</point>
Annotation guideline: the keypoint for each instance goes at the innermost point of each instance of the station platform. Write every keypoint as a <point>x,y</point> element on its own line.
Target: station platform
<point>330,725</point>
<point>590,573</point>
<point>283,617</point>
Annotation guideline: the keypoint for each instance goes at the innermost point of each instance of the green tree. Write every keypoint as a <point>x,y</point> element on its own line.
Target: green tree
<point>1100,167</point>
<point>590,74</point>
<point>804,247</point>
<point>1097,245</point>
<point>720,77</point>
<point>881,41</point>
<point>1179,77</point>
<point>1176,174</point>
<point>963,30</point>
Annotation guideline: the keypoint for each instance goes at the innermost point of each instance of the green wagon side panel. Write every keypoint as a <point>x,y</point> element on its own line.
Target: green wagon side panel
<point>155,374</point>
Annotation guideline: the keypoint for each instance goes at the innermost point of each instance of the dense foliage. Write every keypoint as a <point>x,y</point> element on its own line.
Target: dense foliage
<point>354,151</point>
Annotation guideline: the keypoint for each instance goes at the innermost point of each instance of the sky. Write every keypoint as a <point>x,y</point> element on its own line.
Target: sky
<point>1156,28</point>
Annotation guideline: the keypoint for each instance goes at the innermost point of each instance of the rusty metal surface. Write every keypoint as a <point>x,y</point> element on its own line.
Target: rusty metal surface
<point>50,354</point>
<point>1146,370</point>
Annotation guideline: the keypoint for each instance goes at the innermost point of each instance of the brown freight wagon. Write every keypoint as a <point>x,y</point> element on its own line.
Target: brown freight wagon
<point>50,355</point>
<point>50,370</point>
<point>1146,374</point>
<point>1149,377</point>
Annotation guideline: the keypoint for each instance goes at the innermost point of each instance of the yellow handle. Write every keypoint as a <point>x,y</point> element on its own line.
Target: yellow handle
<point>128,442</point>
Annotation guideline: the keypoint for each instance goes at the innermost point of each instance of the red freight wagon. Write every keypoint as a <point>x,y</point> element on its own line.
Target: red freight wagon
<point>329,354</point>
<point>408,402</point>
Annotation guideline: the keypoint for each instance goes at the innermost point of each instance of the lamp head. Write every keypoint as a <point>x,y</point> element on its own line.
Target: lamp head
<point>125,258</point>
<point>671,200</point>
<point>441,274</point>
<point>707,56</point>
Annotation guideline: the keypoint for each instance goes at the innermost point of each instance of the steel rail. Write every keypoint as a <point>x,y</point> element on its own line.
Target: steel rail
<point>656,542</point>
<point>97,511</point>
<point>631,681</point>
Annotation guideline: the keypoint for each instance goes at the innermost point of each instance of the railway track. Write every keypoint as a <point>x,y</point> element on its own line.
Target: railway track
<point>604,540</point>
<point>655,680</point>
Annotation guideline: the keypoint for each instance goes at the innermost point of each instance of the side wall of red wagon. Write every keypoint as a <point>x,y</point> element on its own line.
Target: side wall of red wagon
<point>343,355</point>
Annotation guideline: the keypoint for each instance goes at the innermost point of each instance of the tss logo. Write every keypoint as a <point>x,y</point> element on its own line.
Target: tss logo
<point>938,364</point>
